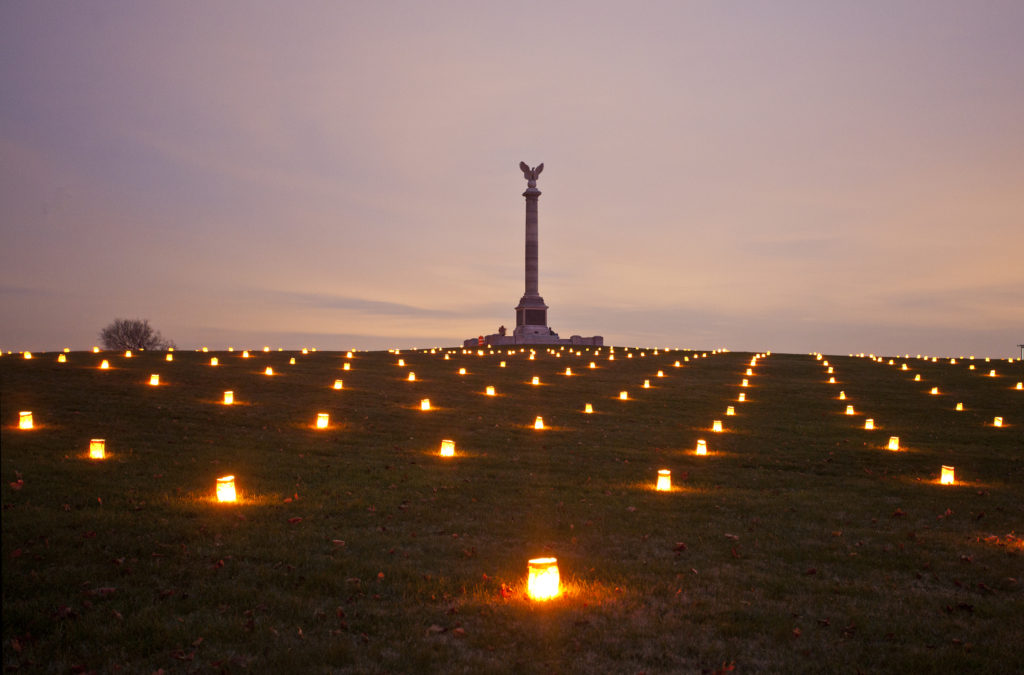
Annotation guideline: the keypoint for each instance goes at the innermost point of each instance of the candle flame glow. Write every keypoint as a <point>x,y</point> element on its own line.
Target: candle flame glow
<point>97,448</point>
<point>226,489</point>
<point>664,483</point>
<point>543,582</point>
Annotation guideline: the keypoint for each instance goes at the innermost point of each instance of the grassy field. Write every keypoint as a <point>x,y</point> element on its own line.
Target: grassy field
<point>798,544</point>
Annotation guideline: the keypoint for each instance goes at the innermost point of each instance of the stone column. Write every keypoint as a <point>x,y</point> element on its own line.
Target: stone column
<point>532,313</point>
<point>532,195</point>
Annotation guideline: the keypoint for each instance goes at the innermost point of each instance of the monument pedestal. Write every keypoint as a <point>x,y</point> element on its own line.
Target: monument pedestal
<point>532,318</point>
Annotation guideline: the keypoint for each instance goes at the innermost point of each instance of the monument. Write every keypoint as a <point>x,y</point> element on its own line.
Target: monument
<point>531,312</point>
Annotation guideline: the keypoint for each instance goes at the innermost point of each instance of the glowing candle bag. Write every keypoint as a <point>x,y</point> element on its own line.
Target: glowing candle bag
<point>543,582</point>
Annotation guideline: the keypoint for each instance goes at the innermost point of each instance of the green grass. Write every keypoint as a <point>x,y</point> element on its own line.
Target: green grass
<point>798,545</point>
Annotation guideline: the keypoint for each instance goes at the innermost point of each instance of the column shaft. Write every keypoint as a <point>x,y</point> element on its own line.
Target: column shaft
<point>532,264</point>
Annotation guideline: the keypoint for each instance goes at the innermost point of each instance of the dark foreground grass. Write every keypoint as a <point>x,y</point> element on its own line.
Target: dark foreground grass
<point>798,545</point>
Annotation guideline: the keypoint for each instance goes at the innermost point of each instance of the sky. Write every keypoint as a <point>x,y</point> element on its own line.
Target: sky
<point>787,176</point>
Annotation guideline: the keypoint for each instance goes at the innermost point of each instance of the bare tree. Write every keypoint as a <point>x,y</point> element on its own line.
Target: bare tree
<point>132,334</point>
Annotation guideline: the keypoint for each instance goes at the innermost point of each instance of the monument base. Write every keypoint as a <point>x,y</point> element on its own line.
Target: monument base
<point>534,332</point>
<point>550,338</point>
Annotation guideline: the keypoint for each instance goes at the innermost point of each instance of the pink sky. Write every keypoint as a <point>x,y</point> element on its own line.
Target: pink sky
<point>792,176</point>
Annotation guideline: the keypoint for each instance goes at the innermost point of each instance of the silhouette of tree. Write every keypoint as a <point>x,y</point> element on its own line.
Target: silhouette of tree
<point>132,334</point>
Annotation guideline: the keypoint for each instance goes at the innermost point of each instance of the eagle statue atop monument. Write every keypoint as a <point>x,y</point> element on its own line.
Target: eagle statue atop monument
<point>531,174</point>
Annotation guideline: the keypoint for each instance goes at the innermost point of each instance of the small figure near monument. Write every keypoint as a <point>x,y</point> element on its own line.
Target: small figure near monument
<point>502,330</point>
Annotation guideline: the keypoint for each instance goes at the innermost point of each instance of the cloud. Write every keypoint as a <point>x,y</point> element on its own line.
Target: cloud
<point>218,338</point>
<point>22,291</point>
<point>960,298</point>
<point>362,305</point>
<point>801,248</point>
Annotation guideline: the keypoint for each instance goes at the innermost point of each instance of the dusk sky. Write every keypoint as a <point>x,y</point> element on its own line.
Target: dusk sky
<point>793,176</point>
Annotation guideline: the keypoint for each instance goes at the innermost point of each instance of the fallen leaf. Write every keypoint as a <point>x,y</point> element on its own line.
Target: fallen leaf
<point>295,520</point>
<point>680,546</point>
